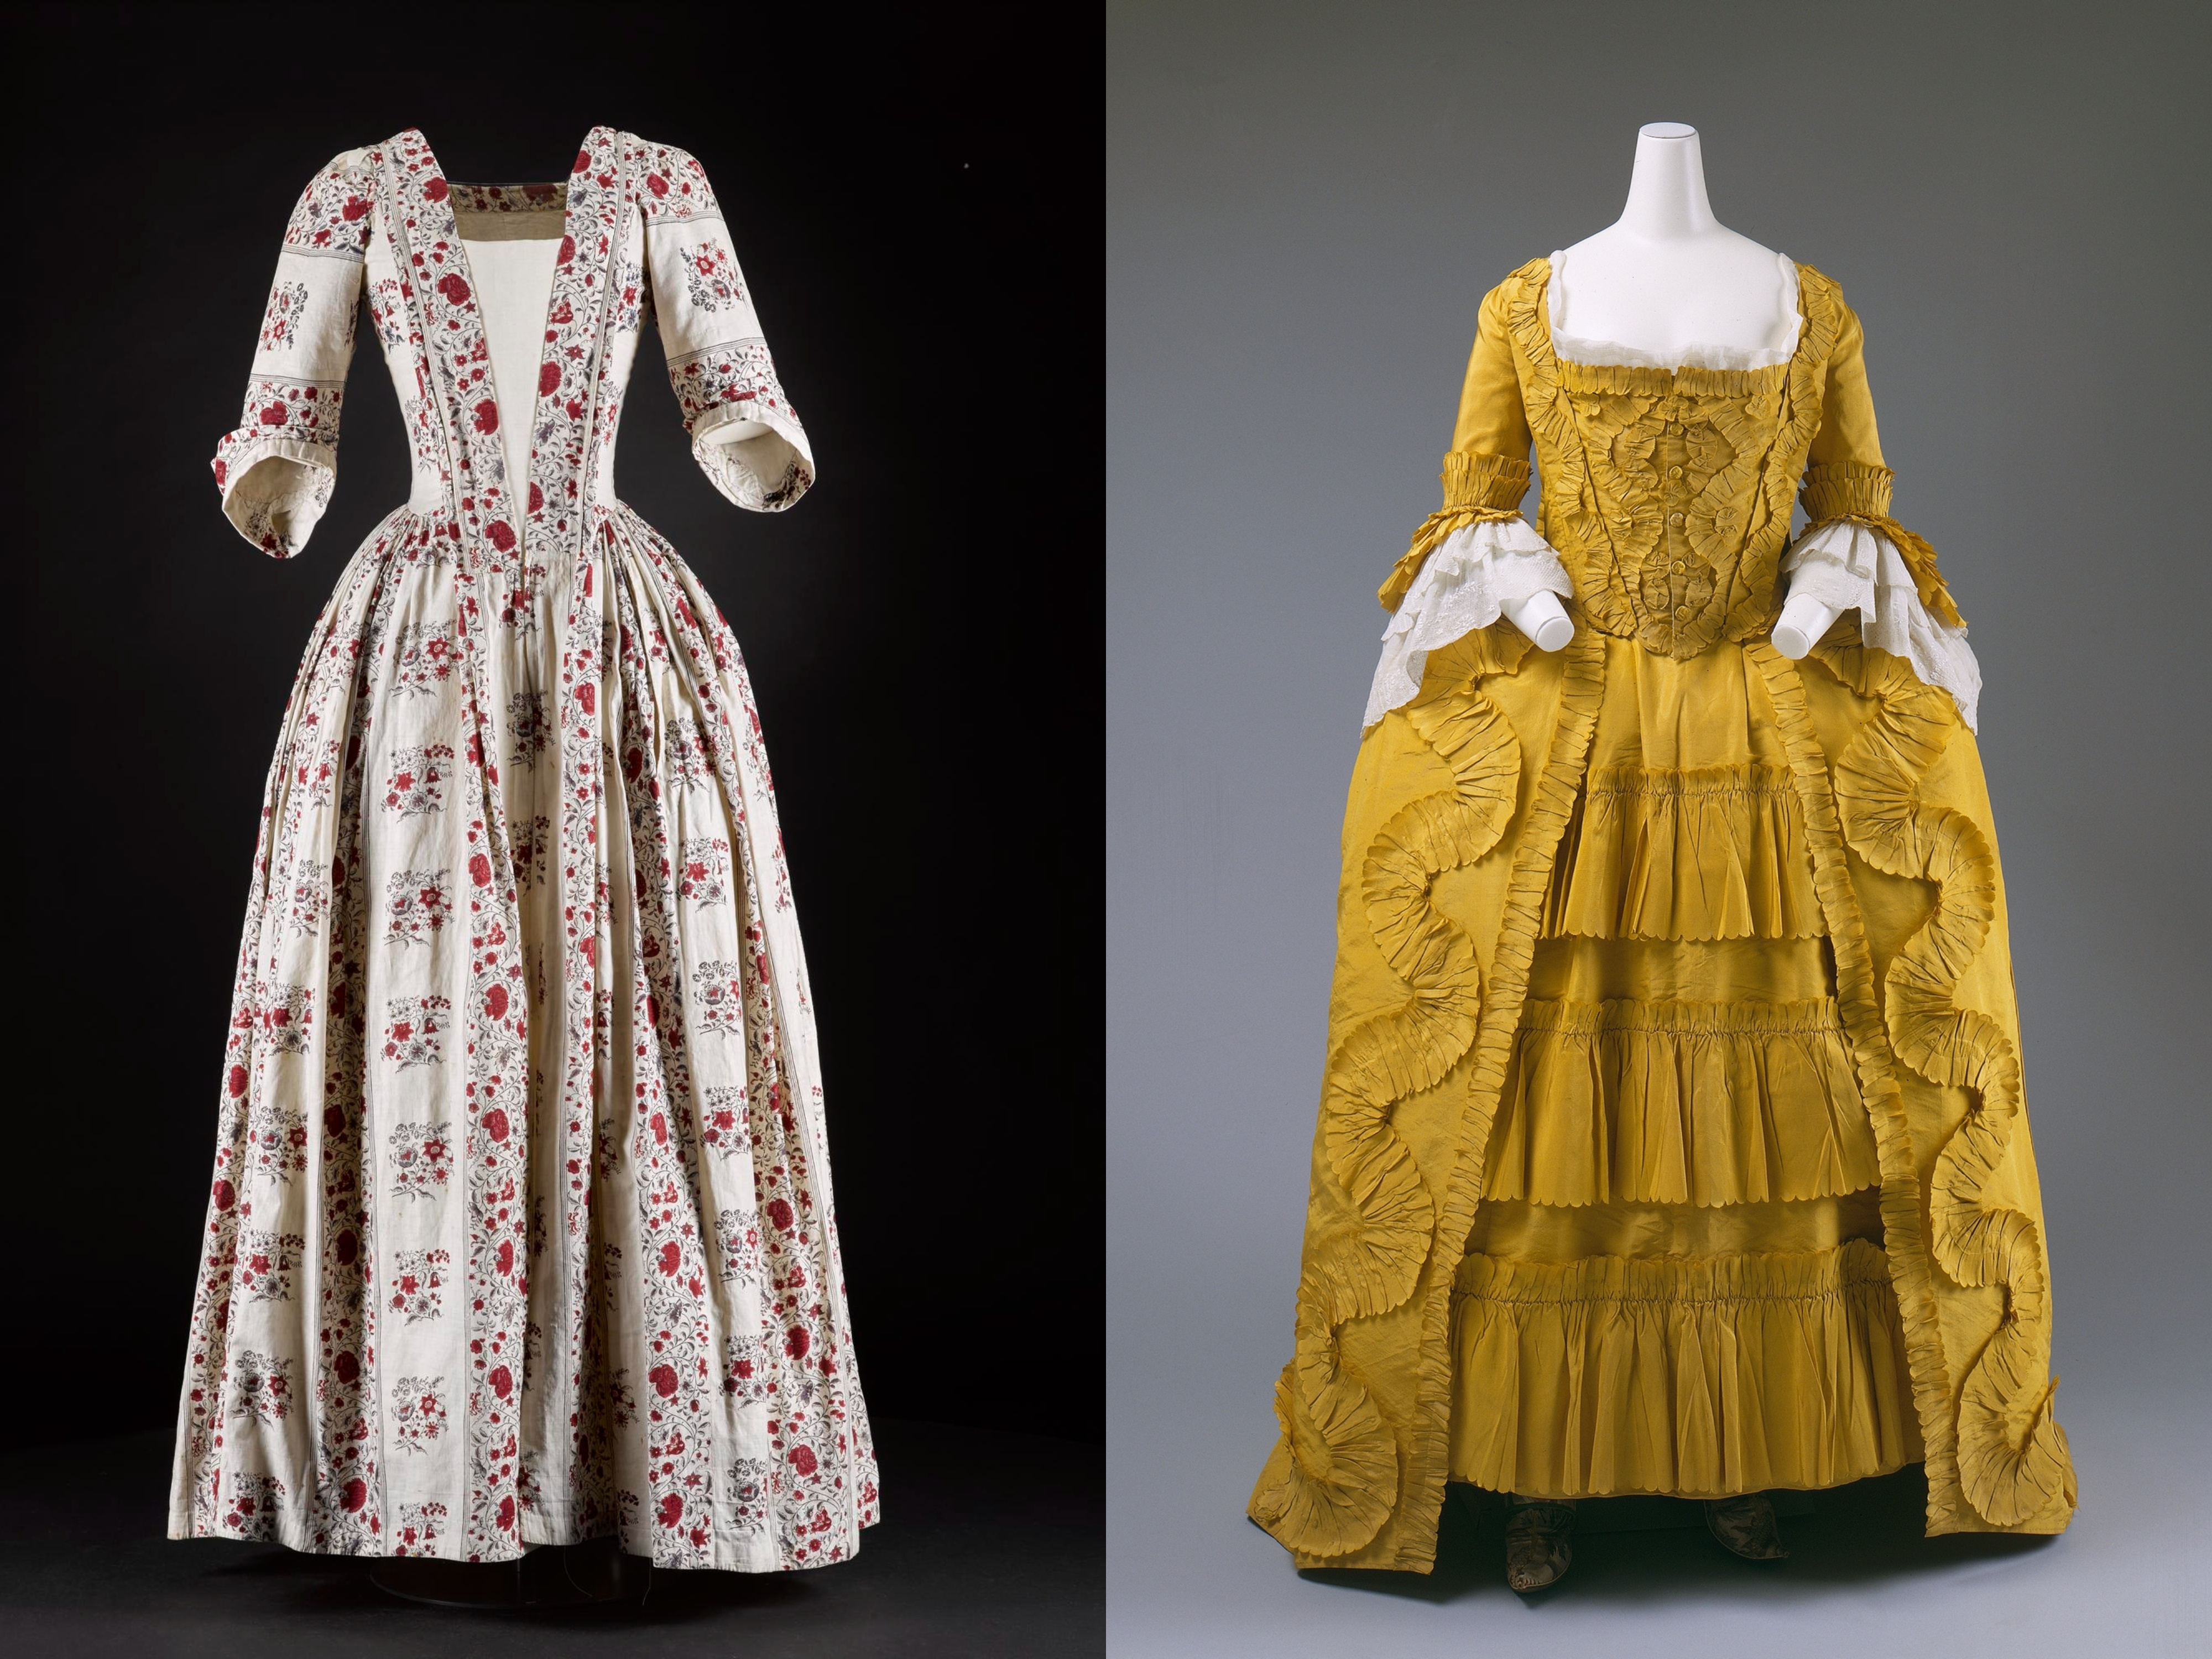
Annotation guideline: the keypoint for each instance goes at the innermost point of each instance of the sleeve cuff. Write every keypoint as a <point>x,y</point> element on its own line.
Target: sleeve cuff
<point>274,489</point>
<point>1849,566</point>
<point>767,470</point>
<point>1497,482</point>
<point>1843,490</point>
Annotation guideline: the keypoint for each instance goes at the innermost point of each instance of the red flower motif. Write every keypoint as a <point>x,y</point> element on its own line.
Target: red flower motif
<point>663,1378</point>
<point>355,208</point>
<point>507,1514</point>
<point>236,1081</point>
<point>671,1259</point>
<point>496,1124</point>
<point>503,536</point>
<point>656,184</point>
<point>672,1509</point>
<point>437,189</point>
<point>779,1212</point>
<point>803,1460</point>
<point>453,288</point>
<point>796,1342</point>
<point>583,161</point>
<point>660,1122</point>
<point>273,415</point>
<point>536,495</point>
<point>501,1380</point>
<point>588,696</point>
<point>495,1002</point>
<point>348,1368</point>
<point>348,1249</point>
<point>568,250</point>
<point>480,869</point>
<point>488,416</point>
<point>225,1196</point>
<point>356,1494</point>
<point>549,378</point>
<point>334,1120</point>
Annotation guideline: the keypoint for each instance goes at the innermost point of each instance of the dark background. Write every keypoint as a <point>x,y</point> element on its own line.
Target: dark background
<point>917,206</point>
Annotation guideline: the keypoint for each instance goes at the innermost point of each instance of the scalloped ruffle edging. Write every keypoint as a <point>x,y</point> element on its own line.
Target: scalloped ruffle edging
<point>1333,1478</point>
<point>1680,1102</point>
<point>1706,853</point>
<point>2013,1462</point>
<point>1700,1376</point>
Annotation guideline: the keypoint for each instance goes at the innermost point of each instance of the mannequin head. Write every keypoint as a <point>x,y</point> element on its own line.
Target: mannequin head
<point>1666,191</point>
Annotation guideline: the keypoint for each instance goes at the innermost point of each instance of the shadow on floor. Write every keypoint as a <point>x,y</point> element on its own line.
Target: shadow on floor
<point>990,1545</point>
<point>1869,1530</point>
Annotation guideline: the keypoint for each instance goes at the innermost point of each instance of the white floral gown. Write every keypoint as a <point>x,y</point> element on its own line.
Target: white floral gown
<point>520,1229</point>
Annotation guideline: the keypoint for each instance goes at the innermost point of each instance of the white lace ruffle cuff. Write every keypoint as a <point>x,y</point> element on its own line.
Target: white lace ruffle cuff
<point>1467,584</point>
<point>1849,566</point>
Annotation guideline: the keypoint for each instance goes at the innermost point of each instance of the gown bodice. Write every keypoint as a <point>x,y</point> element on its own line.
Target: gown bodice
<point>510,458</point>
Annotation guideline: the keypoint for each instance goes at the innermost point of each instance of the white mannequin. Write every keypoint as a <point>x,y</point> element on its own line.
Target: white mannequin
<point>1664,279</point>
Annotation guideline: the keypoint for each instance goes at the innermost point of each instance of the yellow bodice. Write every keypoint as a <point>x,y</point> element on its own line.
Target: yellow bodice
<point>1667,492</point>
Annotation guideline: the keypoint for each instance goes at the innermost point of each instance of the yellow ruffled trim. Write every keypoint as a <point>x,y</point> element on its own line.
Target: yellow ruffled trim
<point>1698,1376</point>
<point>1680,1102</point>
<point>1708,853</point>
<point>1884,793</point>
<point>1340,1473</point>
<point>1595,510</point>
<point>2013,1458</point>
<point>1491,483</point>
<point>1847,489</point>
<point>1478,489</point>
<point>1331,1482</point>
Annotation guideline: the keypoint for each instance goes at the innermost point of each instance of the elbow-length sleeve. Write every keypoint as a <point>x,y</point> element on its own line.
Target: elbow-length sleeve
<point>276,468</point>
<point>745,434</point>
<point>1476,554</point>
<point>1854,555</point>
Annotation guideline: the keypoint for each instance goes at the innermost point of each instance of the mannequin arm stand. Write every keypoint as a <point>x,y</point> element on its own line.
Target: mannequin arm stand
<point>1804,620</point>
<point>1543,619</point>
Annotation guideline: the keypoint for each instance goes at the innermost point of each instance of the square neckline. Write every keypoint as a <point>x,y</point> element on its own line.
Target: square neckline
<point>1670,372</point>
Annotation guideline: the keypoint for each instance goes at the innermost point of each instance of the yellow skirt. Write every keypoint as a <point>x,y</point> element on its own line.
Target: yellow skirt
<point>1671,1138</point>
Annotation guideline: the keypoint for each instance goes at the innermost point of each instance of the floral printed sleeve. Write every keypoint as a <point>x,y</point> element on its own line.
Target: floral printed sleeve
<point>277,469</point>
<point>745,434</point>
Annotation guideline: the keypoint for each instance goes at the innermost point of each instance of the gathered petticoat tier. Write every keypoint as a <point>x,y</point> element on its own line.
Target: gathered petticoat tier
<point>521,1228</point>
<point>1674,1282</point>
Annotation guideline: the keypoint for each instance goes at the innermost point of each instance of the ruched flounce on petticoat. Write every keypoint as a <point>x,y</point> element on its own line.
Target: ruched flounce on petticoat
<point>1698,1377</point>
<point>1702,1103</point>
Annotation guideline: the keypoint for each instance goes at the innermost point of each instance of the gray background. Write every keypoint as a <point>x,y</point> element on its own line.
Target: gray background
<point>1305,205</point>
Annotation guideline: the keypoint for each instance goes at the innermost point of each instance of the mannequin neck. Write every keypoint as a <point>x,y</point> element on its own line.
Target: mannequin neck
<point>1666,199</point>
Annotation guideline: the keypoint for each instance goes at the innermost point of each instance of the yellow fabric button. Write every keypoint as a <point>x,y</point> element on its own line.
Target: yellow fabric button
<point>1674,427</point>
<point>1682,609</point>
<point>1674,471</point>
<point>1674,517</point>
<point>1677,567</point>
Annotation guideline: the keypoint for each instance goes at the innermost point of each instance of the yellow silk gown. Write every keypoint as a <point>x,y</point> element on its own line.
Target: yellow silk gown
<point>1671,1136</point>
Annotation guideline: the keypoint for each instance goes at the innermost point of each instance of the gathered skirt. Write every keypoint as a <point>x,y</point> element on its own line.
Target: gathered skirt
<point>520,1229</point>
